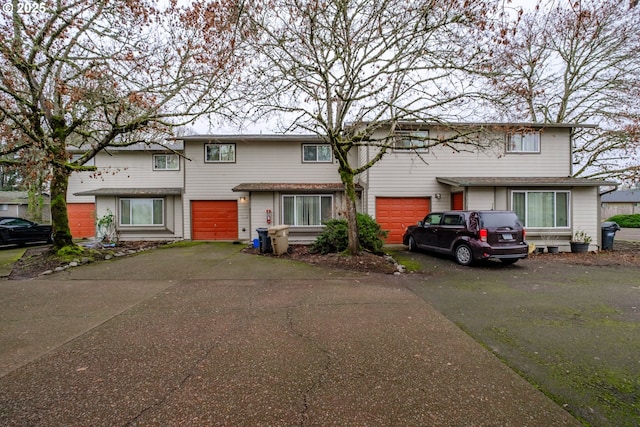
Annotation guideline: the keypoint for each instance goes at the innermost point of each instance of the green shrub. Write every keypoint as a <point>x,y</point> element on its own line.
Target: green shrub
<point>335,237</point>
<point>626,221</point>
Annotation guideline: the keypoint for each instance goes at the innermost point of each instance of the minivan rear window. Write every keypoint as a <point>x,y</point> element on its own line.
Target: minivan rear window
<point>499,219</point>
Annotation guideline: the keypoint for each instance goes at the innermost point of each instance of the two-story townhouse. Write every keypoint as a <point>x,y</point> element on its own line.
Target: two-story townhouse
<point>235,184</point>
<point>522,167</point>
<point>224,187</point>
<point>141,185</point>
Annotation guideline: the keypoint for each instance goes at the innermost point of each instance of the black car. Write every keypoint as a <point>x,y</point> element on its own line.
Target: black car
<point>18,230</point>
<point>470,235</point>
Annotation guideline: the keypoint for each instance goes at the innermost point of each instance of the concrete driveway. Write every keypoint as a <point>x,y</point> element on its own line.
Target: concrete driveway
<point>208,335</point>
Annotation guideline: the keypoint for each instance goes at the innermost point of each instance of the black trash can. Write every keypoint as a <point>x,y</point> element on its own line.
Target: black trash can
<point>609,229</point>
<point>265,240</point>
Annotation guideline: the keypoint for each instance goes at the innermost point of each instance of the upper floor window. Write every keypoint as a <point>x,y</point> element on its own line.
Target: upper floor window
<point>306,209</point>
<point>411,141</point>
<point>220,153</point>
<point>166,162</point>
<point>316,153</point>
<point>141,212</point>
<point>544,209</point>
<point>90,162</point>
<point>523,142</point>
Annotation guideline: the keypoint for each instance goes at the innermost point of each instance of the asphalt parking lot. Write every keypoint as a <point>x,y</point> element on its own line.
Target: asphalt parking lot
<point>570,328</point>
<point>208,335</point>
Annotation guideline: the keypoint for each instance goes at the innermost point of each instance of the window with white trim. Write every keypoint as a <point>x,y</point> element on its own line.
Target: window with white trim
<point>90,162</point>
<point>411,141</point>
<point>141,212</point>
<point>316,153</point>
<point>301,210</point>
<point>166,162</point>
<point>523,142</point>
<point>542,209</point>
<point>220,153</point>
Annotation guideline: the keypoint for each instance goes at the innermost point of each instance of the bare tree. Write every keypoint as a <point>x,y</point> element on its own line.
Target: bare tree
<point>577,62</point>
<point>99,73</point>
<point>347,70</point>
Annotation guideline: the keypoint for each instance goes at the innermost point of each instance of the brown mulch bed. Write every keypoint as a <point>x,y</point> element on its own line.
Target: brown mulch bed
<point>366,262</point>
<point>624,253</point>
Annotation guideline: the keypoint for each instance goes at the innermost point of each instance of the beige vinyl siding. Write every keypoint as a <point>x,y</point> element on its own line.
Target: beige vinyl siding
<point>81,181</point>
<point>260,202</point>
<point>257,162</point>
<point>244,213</point>
<point>407,174</point>
<point>272,162</point>
<point>483,198</point>
<point>122,169</point>
<point>584,205</point>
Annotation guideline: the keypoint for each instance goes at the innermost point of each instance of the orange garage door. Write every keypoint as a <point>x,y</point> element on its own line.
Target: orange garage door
<point>395,214</point>
<point>214,219</point>
<point>82,219</point>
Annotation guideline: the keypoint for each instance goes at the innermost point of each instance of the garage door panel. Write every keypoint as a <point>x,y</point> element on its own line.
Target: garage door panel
<point>214,219</point>
<point>82,219</point>
<point>395,214</point>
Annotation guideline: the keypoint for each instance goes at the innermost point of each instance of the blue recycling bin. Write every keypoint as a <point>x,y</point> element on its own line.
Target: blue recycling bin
<point>265,240</point>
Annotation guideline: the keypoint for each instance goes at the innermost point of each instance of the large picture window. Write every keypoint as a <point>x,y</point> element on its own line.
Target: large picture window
<point>523,143</point>
<point>542,209</point>
<point>306,210</point>
<point>220,153</point>
<point>141,212</point>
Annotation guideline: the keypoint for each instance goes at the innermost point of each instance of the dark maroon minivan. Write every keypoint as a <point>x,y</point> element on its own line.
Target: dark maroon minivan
<point>469,236</point>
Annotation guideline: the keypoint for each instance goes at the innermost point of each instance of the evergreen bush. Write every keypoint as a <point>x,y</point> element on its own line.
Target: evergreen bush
<point>626,221</point>
<point>335,237</point>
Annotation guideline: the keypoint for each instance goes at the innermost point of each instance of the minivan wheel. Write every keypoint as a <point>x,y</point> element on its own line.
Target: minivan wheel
<point>463,254</point>
<point>412,244</point>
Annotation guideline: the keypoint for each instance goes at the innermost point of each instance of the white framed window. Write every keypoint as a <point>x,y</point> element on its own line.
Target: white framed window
<point>542,209</point>
<point>411,141</point>
<point>90,162</point>
<point>316,153</point>
<point>301,210</point>
<point>141,212</point>
<point>523,142</point>
<point>220,153</point>
<point>166,162</point>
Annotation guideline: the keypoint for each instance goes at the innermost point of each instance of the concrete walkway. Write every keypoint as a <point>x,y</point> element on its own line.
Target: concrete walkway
<point>207,335</point>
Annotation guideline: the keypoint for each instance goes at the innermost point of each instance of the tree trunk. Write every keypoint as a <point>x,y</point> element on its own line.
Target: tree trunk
<point>352,214</point>
<point>59,216</point>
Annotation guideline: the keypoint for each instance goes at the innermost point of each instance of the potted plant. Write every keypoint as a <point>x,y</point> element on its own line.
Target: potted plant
<point>550,242</point>
<point>580,242</point>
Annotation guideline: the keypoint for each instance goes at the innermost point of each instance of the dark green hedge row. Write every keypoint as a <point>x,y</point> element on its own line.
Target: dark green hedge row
<point>626,221</point>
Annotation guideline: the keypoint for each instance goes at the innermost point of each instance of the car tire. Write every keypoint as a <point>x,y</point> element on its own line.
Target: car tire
<point>463,254</point>
<point>412,244</point>
<point>50,239</point>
